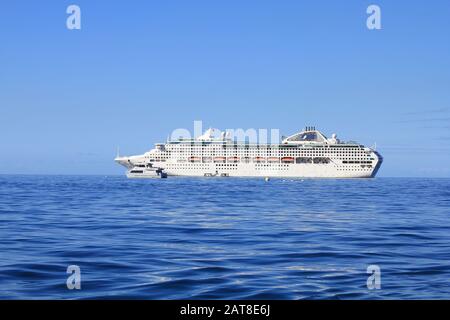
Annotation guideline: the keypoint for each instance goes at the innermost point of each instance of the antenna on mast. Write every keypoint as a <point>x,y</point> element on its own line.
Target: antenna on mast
<point>118,152</point>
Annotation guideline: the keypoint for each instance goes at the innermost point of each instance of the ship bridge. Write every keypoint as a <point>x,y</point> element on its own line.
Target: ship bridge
<point>310,136</point>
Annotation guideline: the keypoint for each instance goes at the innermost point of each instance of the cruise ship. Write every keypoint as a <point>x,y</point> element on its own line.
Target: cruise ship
<point>305,154</point>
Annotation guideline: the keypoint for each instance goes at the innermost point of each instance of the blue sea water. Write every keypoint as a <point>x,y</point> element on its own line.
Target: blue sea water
<point>223,238</point>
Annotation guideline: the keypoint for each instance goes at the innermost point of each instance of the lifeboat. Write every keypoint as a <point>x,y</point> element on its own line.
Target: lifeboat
<point>273,159</point>
<point>321,160</point>
<point>219,159</point>
<point>246,159</point>
<point>260,159</point>
<point>287,159</point>
<point>233,159</point>
<point>207,159</point>
<point>194,159</point>
<point>304,160</point>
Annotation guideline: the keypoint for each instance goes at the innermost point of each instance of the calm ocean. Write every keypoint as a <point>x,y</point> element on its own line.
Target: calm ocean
<point>223,238</point>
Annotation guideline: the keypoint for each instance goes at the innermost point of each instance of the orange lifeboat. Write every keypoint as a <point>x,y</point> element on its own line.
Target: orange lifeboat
<point>233,159</point>
<point>219,159</point>
<point>287,159</point>
<point>260,159</point>
<point>273,159</point>
<point>194,159</point>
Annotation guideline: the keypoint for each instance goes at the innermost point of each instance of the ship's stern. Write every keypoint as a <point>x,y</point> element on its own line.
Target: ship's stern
<point>378,161</point>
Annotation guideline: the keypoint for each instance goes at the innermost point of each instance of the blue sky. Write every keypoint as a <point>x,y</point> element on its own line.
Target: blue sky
<point>139,69</point>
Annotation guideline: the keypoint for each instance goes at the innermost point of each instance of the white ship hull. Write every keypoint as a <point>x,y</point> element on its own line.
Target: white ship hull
<point>283,170</point>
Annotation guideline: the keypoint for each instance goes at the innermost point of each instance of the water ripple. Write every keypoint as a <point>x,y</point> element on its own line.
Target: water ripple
<point>187,238</point>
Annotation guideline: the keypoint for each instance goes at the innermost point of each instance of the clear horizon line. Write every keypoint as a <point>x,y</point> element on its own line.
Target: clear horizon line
<point>123,175</point>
